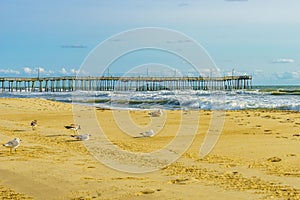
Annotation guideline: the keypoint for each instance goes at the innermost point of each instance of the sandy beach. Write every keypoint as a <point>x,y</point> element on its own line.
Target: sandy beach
<point>257,156</point>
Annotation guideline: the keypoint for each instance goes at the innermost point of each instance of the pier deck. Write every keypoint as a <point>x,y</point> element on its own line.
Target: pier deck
<point>71,83</point>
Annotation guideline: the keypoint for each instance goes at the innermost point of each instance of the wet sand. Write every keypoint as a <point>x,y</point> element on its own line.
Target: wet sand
<point>256,157</point>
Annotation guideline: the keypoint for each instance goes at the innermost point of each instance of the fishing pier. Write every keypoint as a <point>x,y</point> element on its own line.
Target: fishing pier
<point>72,83</point>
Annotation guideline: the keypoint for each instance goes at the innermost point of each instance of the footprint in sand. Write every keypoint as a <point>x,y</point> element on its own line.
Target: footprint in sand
<point>267,131</point>
<point>147,191</point>
<point>274,159</point>
<point>179,181</point>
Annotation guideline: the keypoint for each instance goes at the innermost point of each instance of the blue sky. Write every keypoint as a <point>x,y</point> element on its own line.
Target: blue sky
<point>255,37</point>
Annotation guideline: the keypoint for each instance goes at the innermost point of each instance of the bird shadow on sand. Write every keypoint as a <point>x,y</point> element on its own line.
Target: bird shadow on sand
<point>72,140</point>
<point>103,108</point>
<point>8,153</point>
<point>140,136</point>
<point>56,135</point>
<point>19,130</point>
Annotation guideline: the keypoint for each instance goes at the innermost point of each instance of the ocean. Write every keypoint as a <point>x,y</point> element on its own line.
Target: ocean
<point>259,97</point>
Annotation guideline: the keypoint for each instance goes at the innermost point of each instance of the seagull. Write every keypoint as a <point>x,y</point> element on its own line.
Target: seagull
<point>13,144</point>
<point>73,127</point>
<point>149,133</point>
<point>82,137</point>
<point>156,113</point>
<point>33,124</point>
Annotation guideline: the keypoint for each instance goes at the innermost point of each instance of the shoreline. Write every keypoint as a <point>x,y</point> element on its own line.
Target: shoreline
<point>242,165</point>
<point>147,109</point>
<point>176,100</point>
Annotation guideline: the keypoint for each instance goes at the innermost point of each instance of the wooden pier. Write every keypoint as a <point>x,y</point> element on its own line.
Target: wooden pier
<point>71,83</point>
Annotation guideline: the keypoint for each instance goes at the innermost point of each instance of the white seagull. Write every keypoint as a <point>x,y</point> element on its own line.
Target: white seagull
<point>156,113</point>
<point>149,133</point>
<point>82,137</point>
<point>13,144</point>
<point>74,127</point>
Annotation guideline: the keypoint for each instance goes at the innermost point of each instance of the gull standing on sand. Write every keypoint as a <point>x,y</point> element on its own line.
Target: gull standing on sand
<point>13,144</point>
<point>82,137</point>
<point>74,127</point>
<point>149,133</point>
<point>33,124</point>
<point>156,113</point>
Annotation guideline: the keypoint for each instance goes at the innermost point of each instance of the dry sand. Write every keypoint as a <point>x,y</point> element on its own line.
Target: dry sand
<point>256,157</point>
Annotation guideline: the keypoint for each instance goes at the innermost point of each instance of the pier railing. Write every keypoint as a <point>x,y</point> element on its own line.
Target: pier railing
<point>89,83</point>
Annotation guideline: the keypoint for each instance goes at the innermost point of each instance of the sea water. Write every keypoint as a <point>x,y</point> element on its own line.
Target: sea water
<point>265,97</point>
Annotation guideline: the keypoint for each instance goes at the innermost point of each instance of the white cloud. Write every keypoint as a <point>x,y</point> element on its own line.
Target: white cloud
<point>9,71</point>
<point>42,70</point>
<point>51,72</point>
<point>74,71</point>
<point>63,71</point>
<point>27,70</point>
<point>284,60</point>
<point>46,72</point>
<point>288,75</point>
<point>183,4</point>
<point>259,73</point>
<point>296,74</point>
<point>74,46</point>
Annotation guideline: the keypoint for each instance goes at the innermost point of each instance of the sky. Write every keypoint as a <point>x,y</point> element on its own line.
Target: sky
<point>253,37</point>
